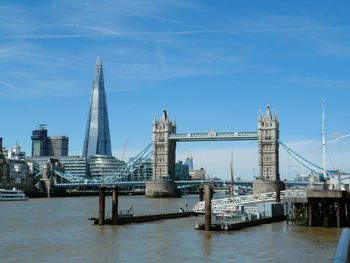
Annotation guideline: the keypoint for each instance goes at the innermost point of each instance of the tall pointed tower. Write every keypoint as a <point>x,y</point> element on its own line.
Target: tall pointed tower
<point>97,137</point>
<point>164,151</point>
<point>268,136</point>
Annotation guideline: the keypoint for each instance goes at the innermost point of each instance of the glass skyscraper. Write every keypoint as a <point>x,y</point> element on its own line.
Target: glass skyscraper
<point>97,137</point>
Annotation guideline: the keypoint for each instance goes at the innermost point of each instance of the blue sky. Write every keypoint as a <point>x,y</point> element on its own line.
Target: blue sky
<point>212,64</point>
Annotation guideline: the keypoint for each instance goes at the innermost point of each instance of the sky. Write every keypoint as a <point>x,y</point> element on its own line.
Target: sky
<point>212,64</point>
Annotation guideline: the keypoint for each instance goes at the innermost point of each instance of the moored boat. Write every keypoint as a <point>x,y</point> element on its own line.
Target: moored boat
<point>12,195</point>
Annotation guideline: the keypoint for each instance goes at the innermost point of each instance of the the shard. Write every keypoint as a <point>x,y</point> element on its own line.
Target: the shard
<point>97,137</point>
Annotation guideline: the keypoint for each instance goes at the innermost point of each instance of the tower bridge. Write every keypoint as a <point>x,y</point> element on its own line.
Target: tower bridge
<point>165,138</point>
<point>163,151</point>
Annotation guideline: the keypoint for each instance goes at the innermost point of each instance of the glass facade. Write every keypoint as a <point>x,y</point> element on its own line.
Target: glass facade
<point>102,164</point>
<point>143,172</point>
<point>57,146</point>
<point>97,137</point>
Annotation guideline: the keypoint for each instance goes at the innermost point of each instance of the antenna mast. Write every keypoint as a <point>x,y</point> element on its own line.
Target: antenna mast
<point>232,175</point>
<point>324,139</point>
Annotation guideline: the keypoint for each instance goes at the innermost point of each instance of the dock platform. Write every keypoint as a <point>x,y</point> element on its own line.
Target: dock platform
<point>132,219</point>
<point>226,226</point>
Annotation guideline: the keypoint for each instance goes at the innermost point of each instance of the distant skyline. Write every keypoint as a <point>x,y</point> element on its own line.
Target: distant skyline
<point>212,66</point>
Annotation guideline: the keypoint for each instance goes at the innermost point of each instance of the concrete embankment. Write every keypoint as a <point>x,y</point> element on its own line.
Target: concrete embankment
<point>239,225</point>
<point>121,220</point>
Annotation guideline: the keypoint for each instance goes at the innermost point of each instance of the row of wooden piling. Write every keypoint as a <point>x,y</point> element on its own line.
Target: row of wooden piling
<point>206,191</point>
<point>102,205</point>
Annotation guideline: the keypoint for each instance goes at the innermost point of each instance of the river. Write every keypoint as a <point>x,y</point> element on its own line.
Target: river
<point>58,230</point>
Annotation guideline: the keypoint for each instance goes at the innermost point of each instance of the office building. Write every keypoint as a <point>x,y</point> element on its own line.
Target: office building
<point>57,146</point>
<point>181,171</point>
<point>42,145</point>
<point>189,162</point>
<point>39,138</point>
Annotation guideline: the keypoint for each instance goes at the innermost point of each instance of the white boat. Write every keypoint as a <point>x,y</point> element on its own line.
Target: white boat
<point>12,195</point>
<point>234,212</point>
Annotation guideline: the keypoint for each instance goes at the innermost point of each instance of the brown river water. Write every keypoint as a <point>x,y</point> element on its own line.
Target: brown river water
<point>58,230</point>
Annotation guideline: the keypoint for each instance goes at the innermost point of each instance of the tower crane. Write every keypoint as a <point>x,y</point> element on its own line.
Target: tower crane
<point>124,148</point>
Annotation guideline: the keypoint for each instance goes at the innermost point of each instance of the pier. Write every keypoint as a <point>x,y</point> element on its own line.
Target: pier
<point>309,207</point>
<point>227,226</point>
<point>120,219</point>
<point>130,219</point>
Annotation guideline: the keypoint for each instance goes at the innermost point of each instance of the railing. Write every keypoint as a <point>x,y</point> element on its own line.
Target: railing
<point>231,202</point>
<point>294,193</point>
<point>342,254</point>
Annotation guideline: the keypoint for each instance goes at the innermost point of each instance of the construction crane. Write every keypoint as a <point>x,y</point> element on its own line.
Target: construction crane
<point>124,148</point>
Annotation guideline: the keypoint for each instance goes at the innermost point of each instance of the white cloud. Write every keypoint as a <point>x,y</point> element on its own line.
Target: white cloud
<point>317,83</point>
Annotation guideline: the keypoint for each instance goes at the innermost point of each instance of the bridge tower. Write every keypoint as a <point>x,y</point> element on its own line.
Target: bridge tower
<point>164,153</point>
<point>268,136</point>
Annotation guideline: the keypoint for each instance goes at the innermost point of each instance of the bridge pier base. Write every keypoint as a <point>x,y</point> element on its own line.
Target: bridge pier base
<point>162,188</point>
<point>260,187</point>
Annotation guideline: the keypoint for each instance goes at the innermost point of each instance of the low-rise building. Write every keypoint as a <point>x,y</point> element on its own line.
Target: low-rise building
<point>88,167</point>
<point>4,168</point>
<point>14,153</point>
<point>197,174</point>
<point>19,175</point>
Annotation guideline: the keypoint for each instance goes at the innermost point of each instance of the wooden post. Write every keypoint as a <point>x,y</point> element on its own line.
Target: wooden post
<point>101,207</point>
<point>338,203</point>
<point>310,212</point>
<point>278,195</point>
<point>343,215</point>
<point>207,194</point>
<point>347,212</point>
<point>201,193</point>
<point>114,205</point>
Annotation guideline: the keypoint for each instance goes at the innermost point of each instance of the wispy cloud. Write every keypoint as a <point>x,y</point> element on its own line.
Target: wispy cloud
<point>164,19</point>
<point>313,82</point>
<point>51,36</point>
<point>42,88</point>
<point>162,62</point>
<point>103,30</point>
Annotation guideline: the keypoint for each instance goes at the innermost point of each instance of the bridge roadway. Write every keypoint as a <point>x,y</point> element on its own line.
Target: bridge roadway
<point>214,136</point>
<point>179,183</point>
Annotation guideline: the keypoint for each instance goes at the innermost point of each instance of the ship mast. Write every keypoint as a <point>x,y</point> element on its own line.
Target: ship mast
<point>324,140</point>
<point>232,175</point>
